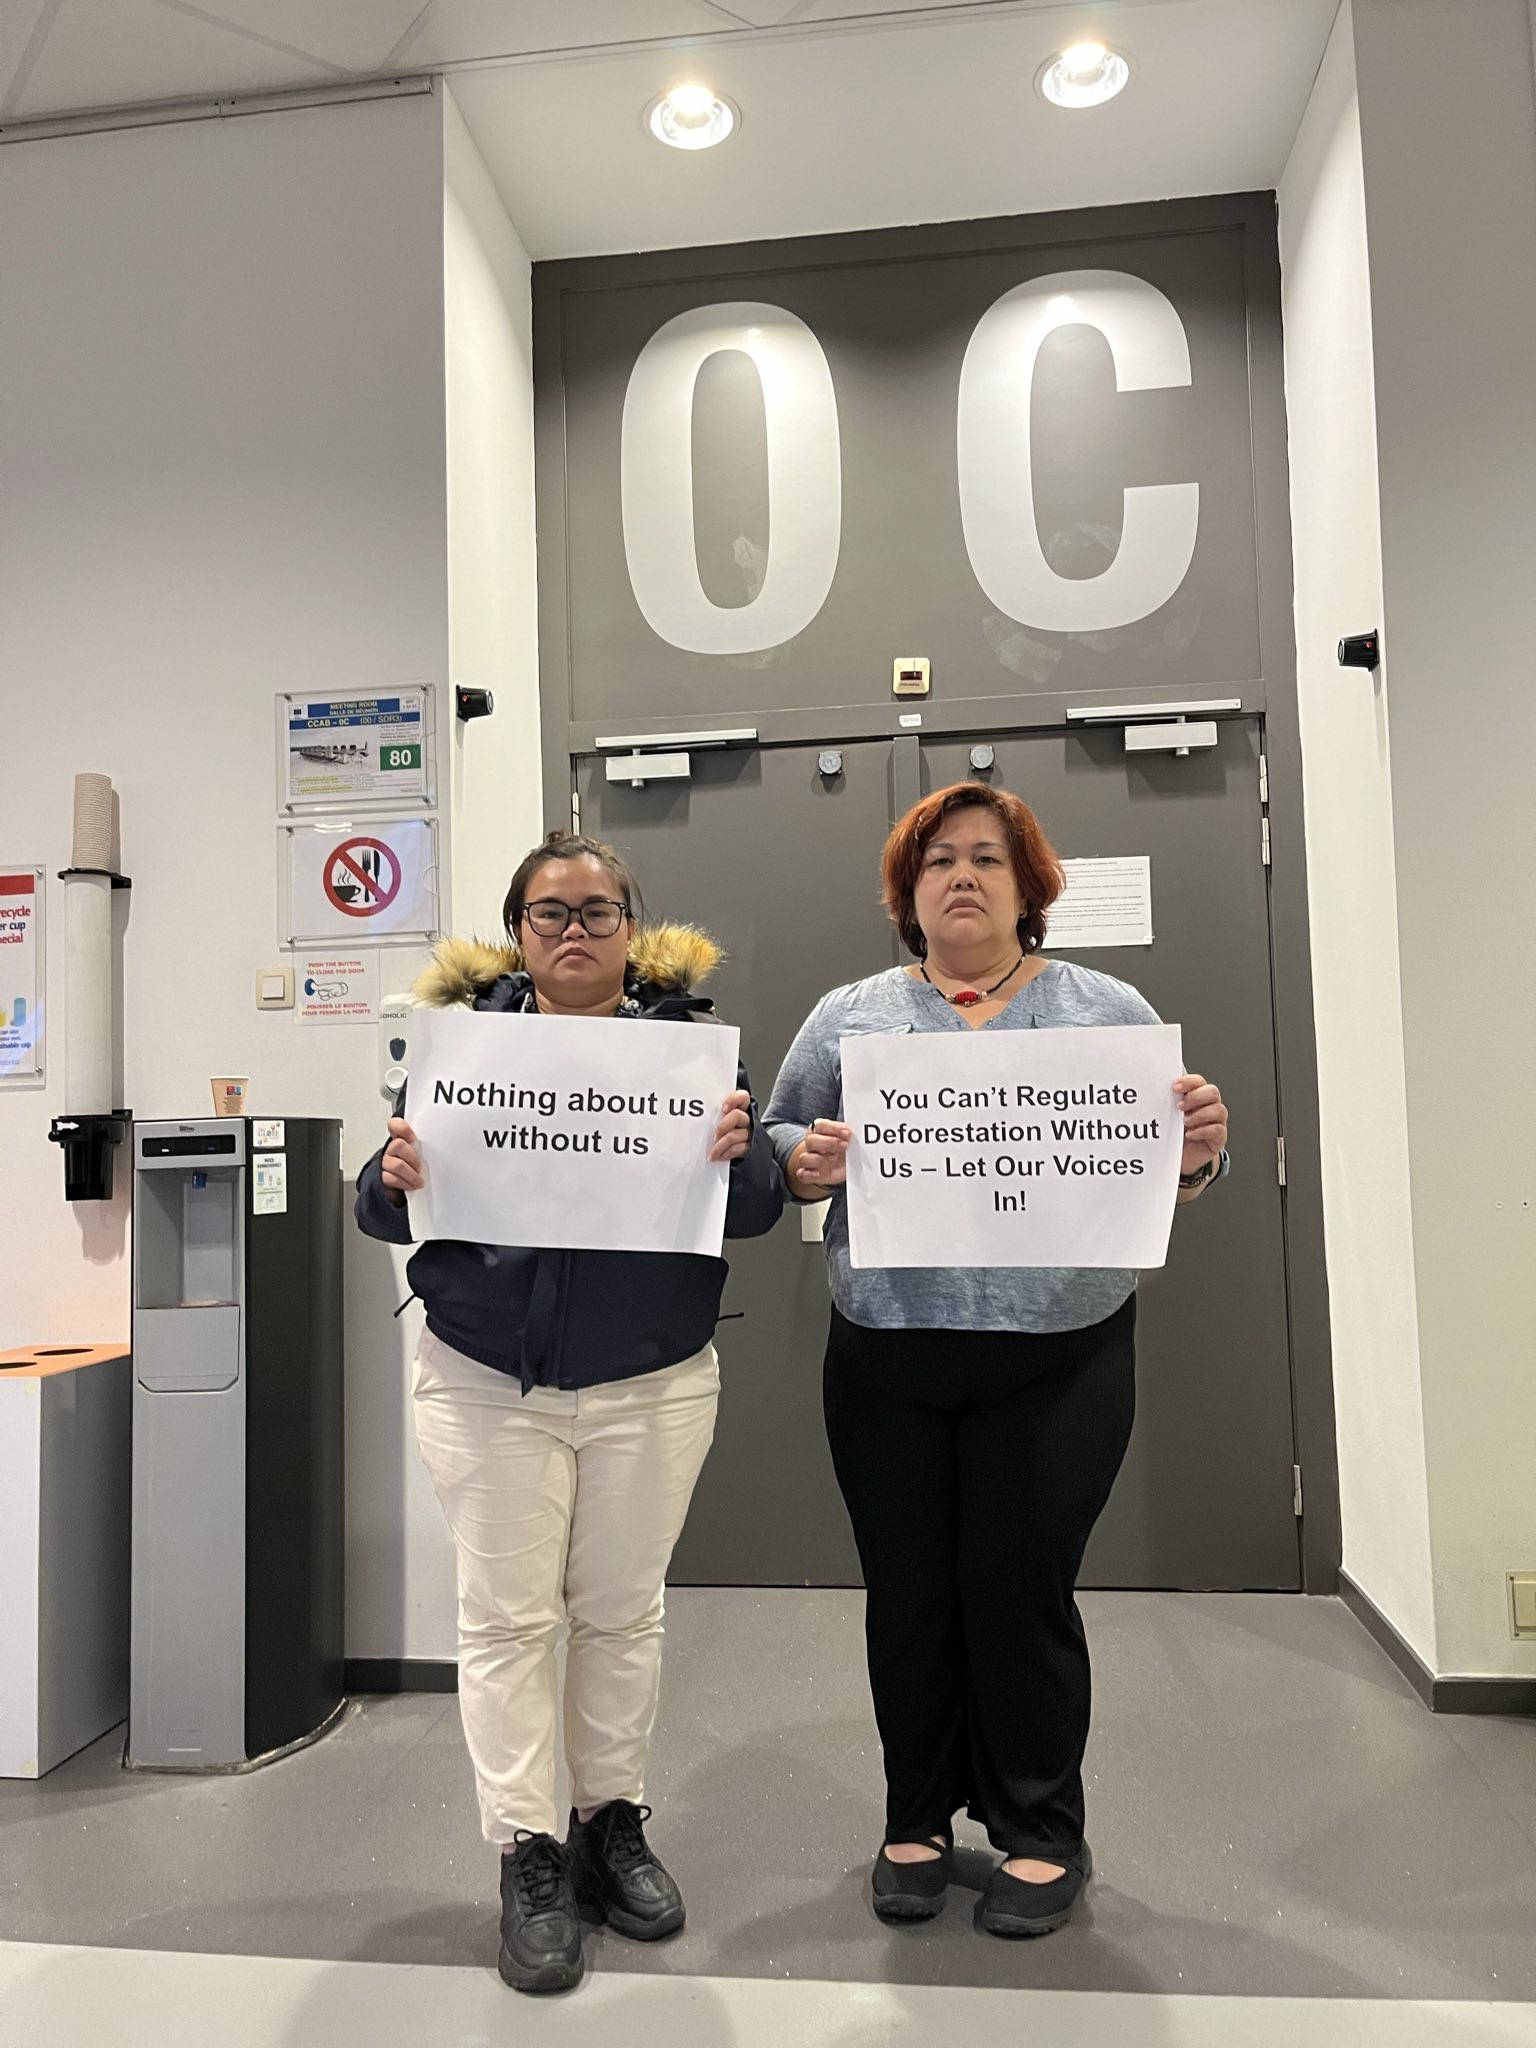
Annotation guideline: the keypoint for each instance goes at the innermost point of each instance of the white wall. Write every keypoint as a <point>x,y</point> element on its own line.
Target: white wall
<point>1408,238</point>
<point>1352,885</point>
<point>492,581</point>
<point>1448,129</point>
<point>400,1576</point>
<point>221,475</point>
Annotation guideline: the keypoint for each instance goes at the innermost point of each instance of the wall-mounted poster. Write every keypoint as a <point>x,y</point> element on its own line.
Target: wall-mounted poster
<point>337,988</point>
<point>21,973</point>
<point>346,748</point>
<point>363,881</point>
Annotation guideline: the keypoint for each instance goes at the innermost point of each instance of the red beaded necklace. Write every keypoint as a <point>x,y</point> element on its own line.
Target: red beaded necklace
<point>965,998</point>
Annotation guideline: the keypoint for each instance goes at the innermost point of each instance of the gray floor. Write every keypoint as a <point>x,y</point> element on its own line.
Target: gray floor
<point>1274,1813</point>
<point>61,1997</point>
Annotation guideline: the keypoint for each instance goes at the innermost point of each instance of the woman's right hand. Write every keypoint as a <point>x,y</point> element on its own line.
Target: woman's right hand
<point>820,1160</point>
<point>400,1168</point>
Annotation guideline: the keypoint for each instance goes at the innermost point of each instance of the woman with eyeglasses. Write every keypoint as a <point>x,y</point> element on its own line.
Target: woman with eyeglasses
<point>564,1403</point>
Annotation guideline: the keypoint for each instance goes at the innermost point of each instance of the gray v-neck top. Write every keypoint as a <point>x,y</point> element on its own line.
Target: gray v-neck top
<point>810,1085</point>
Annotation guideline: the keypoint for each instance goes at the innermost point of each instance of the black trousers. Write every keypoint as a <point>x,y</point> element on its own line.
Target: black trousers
<point>974,1465</point>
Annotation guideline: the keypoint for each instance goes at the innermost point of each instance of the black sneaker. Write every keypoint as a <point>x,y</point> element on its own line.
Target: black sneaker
<point>617,1877</point>
<point>1016,1909</point>
<point>911,1891</point>
<point>540,1926</point>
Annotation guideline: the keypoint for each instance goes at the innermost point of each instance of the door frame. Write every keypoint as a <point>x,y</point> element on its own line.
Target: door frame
<point>1270,696</point>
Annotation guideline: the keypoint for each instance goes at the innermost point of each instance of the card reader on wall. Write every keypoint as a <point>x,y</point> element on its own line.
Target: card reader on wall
<point>393,1044</point>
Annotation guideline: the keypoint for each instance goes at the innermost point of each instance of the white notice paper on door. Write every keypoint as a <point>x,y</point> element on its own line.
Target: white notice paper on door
<point>1105,903</point>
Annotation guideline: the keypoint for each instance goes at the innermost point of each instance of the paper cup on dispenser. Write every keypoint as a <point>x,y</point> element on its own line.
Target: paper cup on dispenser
<point>229,1092</point>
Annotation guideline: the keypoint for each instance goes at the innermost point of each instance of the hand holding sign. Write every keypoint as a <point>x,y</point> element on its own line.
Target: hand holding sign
<point>733,1133</point>
<point>400,1168</point>
<point>820,1160</point>
<point>1205,1122</point>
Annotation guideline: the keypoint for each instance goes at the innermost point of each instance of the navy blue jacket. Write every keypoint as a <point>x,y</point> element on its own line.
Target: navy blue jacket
<point>576,1318</point>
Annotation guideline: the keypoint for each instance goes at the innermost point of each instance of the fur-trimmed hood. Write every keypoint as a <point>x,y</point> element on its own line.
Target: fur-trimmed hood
<point>670,959</point>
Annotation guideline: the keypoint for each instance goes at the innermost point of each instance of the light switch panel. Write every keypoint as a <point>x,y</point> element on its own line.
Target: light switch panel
<point>274,988</point>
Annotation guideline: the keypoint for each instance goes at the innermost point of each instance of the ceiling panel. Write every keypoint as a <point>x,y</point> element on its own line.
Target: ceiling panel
<point>918,121</point>
<point>466,30</point>
<point>765,13</point>
<point>858,113</point>
<point>826,13</point>
<point>18,19</point>
<point>356,34</point>
<point>136,50</point>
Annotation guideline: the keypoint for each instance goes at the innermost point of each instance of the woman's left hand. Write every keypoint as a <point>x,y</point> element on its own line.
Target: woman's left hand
<point>1205,1121</point>
<point>734,1134</point>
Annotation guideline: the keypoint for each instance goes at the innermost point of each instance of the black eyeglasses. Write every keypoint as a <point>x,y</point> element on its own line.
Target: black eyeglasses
<point>600,918</point>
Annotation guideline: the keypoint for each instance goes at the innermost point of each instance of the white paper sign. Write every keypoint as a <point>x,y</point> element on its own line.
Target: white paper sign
<point>360,882</point>
<point>355,746</point>
<point>587,1132</point>
<point>1105,903</point>
<point>1013,1148</point>
<point>269,1192</point>
<point>337,988</point>
<point>21,913</point>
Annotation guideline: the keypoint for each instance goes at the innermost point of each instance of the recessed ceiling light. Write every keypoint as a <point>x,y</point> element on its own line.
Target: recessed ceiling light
<point>1084,76</point>
<point>692,117</point>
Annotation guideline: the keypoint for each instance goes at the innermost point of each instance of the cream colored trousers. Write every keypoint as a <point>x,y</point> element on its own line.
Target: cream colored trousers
<point>564,1509</point>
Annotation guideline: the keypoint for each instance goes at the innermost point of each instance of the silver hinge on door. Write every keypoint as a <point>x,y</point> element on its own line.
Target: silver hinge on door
<point>1296,1490</point>
<point>1280,1161</point>
<point>1264,839</point>
<point>1263,780</point>
<point>576,812</point>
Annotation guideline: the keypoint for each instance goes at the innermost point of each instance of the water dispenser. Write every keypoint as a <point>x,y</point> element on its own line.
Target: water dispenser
<point>237,1439</point>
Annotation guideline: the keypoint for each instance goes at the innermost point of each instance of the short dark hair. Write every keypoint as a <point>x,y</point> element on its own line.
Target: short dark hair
<point>1035,866</point>
<point>569,846</point>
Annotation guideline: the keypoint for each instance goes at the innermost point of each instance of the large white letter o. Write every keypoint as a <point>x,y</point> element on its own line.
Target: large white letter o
<point>805,484</point>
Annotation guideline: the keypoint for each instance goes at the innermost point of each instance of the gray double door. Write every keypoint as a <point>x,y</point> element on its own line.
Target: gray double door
<point>779,860</point>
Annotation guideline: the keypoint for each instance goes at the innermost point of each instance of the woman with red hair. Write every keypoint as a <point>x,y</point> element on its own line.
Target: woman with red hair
<point>977,1416</point>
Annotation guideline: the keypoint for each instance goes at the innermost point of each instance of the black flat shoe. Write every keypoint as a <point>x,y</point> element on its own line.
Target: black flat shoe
<point>618,1878</point>
<point>911,1891</point>
<point>540,1927</point>
<point>1018,1910</point>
